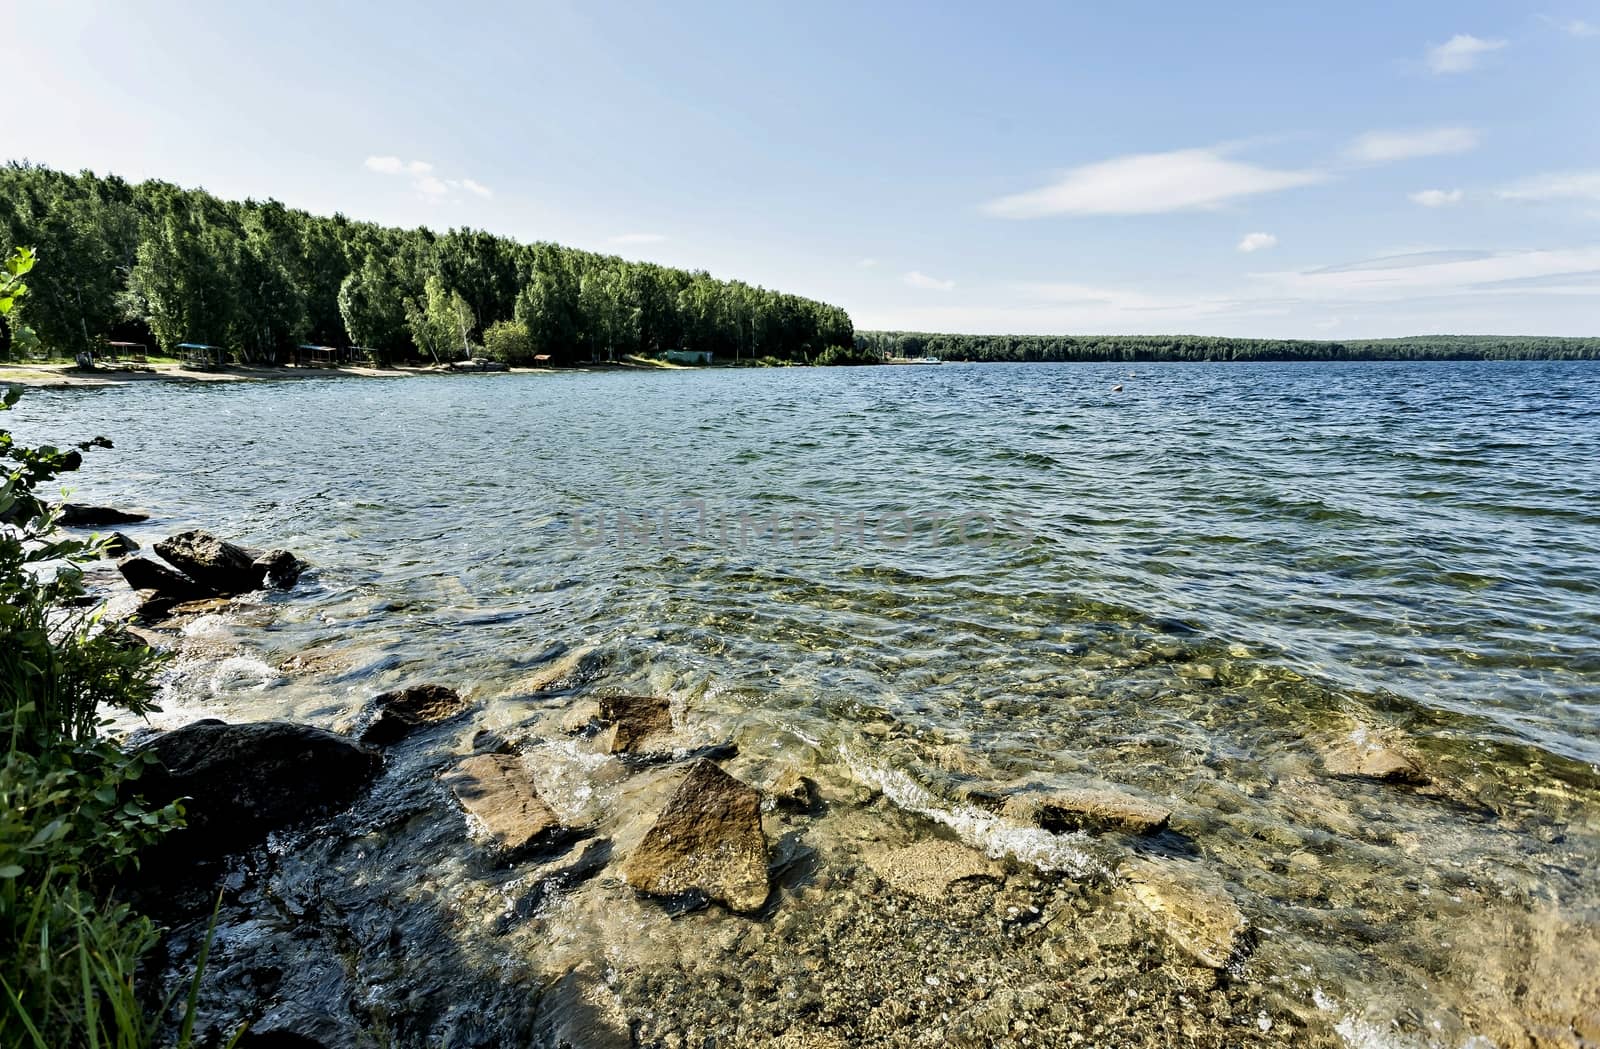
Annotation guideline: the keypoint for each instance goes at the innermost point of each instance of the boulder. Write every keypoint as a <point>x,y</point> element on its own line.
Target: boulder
<point>1195,910</point>
<point>707,842</point>
<point>279,569</point>
<point>931,869</point>
<point>82,515</point>
<point>118,545</point>
<point>497,792</point>
<point>392,716</point>
<point>143,573</point>
<point>211,562</point>
<point>241,781</point>
<point>634,721</point>
<point>1089,809</point>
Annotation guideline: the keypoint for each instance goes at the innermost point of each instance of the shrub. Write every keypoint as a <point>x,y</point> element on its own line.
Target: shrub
<point>508,341</point>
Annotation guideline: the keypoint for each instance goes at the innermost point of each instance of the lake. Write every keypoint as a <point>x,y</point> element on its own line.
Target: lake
<point>935,587</point>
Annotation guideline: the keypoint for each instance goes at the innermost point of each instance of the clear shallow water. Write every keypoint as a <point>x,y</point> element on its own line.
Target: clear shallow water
<point>1196,587</point>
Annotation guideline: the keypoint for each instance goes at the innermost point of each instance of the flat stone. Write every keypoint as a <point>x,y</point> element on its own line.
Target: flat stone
<point>496,791</point>
<point>634,721</point>
<point>930,869</point>
<point>706,841</point>
<point>81,515</point>
<point>1374,761</point>
<point>1089,809</point>
<point>1195,910</point>
<point>394,715</point>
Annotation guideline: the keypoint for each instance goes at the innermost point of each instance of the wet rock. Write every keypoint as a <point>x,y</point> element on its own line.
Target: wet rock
<point>394,715</point>
<point>242,781</point>
<point>82,515</point>
<point>793,791</point>
<point>212,562</point>
<point>1194,909</point>
<point>118,545</point>
<point>1090,809</point>
<point>279,569</point>
<point>707,841</point>
<point>143,573</point>
<point>498,793</point>
<point>634,721</point>
<point>1369,759</point>
<point>930,869</point>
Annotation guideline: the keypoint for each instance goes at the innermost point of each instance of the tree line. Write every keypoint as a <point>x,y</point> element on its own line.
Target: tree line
<point>155,263</point>
<point>1211,348</point>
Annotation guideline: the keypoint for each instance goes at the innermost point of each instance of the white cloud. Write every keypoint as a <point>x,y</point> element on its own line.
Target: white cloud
<point>637,238</point>
<point>1547,271</point>
<point>918,279</point>
<point>1460,53</point>
<point>473,186</point>
<point>867,264</point>
<point>431,187</point>
<point>1149,183</point>
<point>1578,27</point>
<point>1561,185</point>
<point>386,165</point>
<point>1257,242</point>
<point>1377,147</point>
<point>423,179</point>
<point>1436,198</point>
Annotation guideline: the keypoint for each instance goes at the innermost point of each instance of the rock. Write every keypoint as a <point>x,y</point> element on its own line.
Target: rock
<point>143,573</point>
<point>792,791</point>
<point>118,545</point>
<point>279,569</point>
<point>1195,910</point>
<point>242,781</point>
<point>211,562</point>
<point>497,792</point>
<point>930,869</point>
<point>1089,809</point>
<point>82,515</point>
<point>707,841</point>
<point>1371,760</point>
<point>393,716</point>
<point>634,721</point>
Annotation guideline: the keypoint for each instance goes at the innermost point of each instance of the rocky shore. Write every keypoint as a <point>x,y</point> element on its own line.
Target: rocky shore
<point>616,869</point>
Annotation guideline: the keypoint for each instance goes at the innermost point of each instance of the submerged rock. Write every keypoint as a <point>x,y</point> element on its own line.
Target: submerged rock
<point>1368,759</point>
<point>394,715</point>
<point>792,791</point>
<point>707,841</point>
<point>634,721</point>
<point>1194,909</point>
<point>1090,809</point>
<point>212,562</point>
<point>930,869</point>
<point>241,781</point>
<point>497,792</point>
<point>143,573</point>
<point>279,569</point>
<point>82,515</point>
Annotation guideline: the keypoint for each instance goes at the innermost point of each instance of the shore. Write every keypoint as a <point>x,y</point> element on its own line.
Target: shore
<point>57,375</point>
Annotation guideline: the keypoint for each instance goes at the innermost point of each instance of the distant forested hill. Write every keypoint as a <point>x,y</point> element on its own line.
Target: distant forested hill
<point>1209,348</point>
<point>155,262</point>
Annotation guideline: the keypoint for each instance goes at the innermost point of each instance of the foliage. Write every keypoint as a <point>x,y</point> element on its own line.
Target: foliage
<point>153,261</point>
<point>1210,348</point>
<point>835,355</point>
<point>70,817</point>
<point>14,336</point>
<point>508,341</point>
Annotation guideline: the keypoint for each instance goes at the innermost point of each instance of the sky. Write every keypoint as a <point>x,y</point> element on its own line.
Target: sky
<point>1279,170</point>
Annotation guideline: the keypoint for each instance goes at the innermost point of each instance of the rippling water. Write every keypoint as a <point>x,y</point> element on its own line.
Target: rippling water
<point>1194,586</point>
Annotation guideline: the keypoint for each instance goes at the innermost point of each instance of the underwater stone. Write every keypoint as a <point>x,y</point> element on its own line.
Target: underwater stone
<point>394,715</point>
<point>707,840</point>
<point>496,790</point>
<point>1195,910</point>
<point>928,869</point>
<point>634,720</point>
<point>1090,809</point>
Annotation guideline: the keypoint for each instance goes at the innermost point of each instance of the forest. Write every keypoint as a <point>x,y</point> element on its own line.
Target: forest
<point>160,265</point>
<point>1210,348</point>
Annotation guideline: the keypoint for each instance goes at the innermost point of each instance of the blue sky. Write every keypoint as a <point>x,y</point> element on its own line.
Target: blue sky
<point>1286,170</point>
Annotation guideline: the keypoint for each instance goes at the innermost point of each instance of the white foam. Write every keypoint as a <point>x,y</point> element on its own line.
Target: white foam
<point>996,837</point>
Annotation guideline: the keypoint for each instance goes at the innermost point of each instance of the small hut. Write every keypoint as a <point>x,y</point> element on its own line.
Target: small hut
<point>308,356</point>
<point>202,355</point>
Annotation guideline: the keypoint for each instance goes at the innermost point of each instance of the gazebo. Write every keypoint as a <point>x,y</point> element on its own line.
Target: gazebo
<point>202,355</point>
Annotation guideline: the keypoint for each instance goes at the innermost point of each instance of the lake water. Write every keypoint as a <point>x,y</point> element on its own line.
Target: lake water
<point>942,585</point>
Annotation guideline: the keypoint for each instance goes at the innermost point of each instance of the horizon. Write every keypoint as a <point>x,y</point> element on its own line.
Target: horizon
<point>1445,186</point>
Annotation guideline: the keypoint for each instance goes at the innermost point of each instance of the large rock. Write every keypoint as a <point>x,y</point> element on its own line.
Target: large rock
<point>212,562</point>
<point>1089,809</point>
<point>118,545</point>
<point>1196,911</point>
<point>242,781</point>
<point>279,569</point>
<point>932,869</point>
<point>634,721</point>
<point>81,515</point>
<point>497,792</point>
<point>707,842</point>
<point>392,716</point>
<point>143,573</point>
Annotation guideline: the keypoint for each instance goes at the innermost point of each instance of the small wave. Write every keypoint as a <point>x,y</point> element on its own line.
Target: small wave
<point>242,674</point>
<point>995,837</point>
